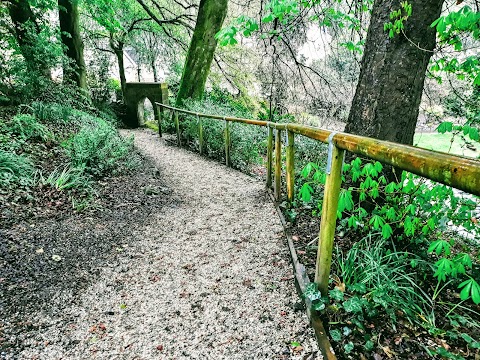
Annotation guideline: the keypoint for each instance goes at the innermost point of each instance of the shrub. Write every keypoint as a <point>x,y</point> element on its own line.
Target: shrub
<point>97,148</point>
<point>28,127</point>
<point>15,170</point>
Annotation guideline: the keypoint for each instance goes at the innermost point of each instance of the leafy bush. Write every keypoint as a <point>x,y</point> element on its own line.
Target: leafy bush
<point>15,169</point>
<point>247,142</point>
<point>417,214</point>
<point>28,127</point>
<point>374,266</point>
<point>97,148</point>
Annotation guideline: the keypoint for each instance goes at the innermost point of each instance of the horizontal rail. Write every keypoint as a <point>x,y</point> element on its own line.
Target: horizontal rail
<point>456,171</point>
<point>227,118</point>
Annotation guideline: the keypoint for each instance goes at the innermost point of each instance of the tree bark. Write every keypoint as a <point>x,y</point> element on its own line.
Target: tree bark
<point>211,14</point>
<point>72,41</point>
<point>154,69</point>
<point>389,90</point>
<point>121,70</point>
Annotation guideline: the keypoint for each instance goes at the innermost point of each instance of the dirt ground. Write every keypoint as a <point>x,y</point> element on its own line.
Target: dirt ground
<point>185,259</point>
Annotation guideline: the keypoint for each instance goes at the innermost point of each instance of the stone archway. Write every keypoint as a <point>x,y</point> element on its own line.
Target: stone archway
<point>135,94</point>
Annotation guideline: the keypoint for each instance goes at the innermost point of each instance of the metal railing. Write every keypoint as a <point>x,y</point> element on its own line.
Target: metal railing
<point>459,172</point>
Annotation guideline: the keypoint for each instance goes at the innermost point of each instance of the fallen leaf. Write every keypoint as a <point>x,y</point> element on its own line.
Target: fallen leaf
<point>298,349</point>
<point>102,326</point>
<point>159,347</point>
<point>295,238</point>
<point>340,287</point>
<point>388,352</point>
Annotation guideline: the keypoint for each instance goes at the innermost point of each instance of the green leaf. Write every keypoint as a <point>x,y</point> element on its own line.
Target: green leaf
<point>353,305</point>
<point>345,201</point>
<point>439,246</point>
<point>470,288</point>
<point>336,294</point>
<point>444,269</point>
<point>386,231</point>
<point>348,347</point>
<point>473,133</point>
<point>444,127</point>
<point>306,192</point>
<point>306,170</point>
<point>336,335</point>
<point>369,345</point>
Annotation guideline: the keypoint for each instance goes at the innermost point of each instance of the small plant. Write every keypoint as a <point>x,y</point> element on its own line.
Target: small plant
<point>98,148</point>
<point>15,170</point>
<point>67,178</point>
<point>28,127</point>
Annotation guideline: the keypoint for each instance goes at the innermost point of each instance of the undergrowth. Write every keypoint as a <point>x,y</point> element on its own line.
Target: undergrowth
<point>409,250</point>
<point>58,146</point>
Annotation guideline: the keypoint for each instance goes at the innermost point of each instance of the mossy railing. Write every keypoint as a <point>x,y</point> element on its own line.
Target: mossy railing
<point>459,172</point>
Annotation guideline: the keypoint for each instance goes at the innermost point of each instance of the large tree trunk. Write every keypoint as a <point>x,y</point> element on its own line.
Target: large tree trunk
<point>26,33</point>
<point>389,90</point>
<point>71,39</point>
<point>121,69</point>
<point>154,69</point>
<point>211,14</point>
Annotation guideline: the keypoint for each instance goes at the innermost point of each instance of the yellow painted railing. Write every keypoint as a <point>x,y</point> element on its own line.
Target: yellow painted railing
<point>459,172</point>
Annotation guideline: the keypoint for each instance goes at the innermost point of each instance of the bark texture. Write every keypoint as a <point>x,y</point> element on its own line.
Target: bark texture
<point>389,90</point>
<point>211,14</point>
<point>117,48</point>
<point>75,71</point>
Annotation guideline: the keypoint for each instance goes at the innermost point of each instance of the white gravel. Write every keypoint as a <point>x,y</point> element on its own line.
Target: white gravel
<point>208,278</point>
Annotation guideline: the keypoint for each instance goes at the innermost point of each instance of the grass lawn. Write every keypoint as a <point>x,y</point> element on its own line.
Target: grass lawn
<point>442,142</point>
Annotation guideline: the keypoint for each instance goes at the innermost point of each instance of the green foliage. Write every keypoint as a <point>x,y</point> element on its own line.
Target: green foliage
<point>247,142</point>
<point>471,131</point>
<point>375,270</point>
<point>470,289</point>
<point>28,127</point>
<point>397,18</point>
<point>15,170</point>
<point>451,29</point>
<point>66,178</point>
<point>97,148</point>
<point>412,211</point>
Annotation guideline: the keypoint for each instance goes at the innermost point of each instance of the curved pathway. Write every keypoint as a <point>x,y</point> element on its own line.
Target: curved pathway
<point>209,278</point>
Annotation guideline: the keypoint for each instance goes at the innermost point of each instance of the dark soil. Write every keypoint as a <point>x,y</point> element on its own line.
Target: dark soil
<point>49,252</point>
<point>407,341</point>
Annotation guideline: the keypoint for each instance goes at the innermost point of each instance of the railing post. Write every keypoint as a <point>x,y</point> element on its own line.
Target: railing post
<point>278,164</point>
<point>227,143</point>
<point>290,166</point>
<point>329,218</point>
<point>200,134</point>
<point>269,157</point>
<point>177,127</point>
<point>160,113</point>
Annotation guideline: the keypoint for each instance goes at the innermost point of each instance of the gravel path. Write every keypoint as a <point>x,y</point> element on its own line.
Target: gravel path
<point>208,278</point>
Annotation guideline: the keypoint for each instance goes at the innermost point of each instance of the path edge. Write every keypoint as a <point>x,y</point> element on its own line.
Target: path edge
<point>301,283</point>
